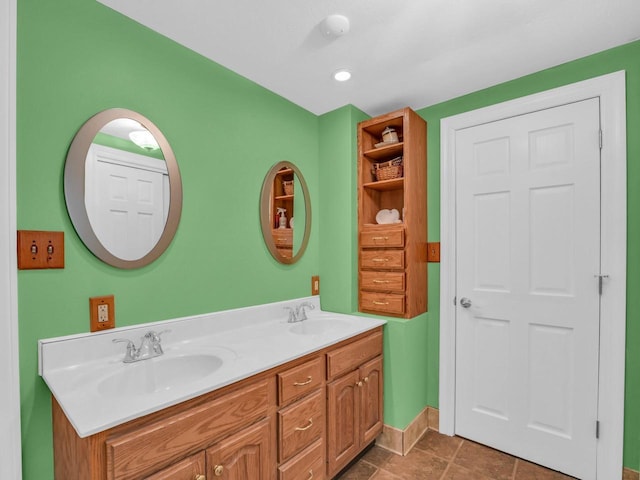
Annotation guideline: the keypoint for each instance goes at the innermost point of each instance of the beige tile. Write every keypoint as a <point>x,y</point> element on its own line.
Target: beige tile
<point>434,418</point>
<point>360,471</point>
<point>530,471</point>
<point>378,456</point>
<point>391,439</point>
<point>440,445</point>
<point>486,461</point>
<point>415,431</point>
<point>417,465</point>
<point>385,475</point>
<point>456,472</point>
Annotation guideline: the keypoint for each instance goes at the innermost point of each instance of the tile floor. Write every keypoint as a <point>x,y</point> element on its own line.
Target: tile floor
<point>439,457</point>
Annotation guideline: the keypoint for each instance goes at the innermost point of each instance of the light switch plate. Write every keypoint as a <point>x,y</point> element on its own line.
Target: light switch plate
<point>38,250</point>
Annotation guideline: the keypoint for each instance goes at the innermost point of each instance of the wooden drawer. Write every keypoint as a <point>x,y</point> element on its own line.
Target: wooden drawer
<point>382,281</point>
<point>300,380</point>
<point>187,469</point>
<point>382,302</point>
<point>300,425</point>
<point>349,357</point>
<point>307,465</point>
<point>140,452</point>
<point>382,259</point>
<point>283,237</point>
<point>392,236</point>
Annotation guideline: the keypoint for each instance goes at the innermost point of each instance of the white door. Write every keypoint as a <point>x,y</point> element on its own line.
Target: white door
<point>528,256</point>
<point>126,200</point>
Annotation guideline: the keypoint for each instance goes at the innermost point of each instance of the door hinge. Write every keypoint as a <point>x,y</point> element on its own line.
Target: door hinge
<point>597,429</point>
<point>600,135</point>
<point>600,281</point>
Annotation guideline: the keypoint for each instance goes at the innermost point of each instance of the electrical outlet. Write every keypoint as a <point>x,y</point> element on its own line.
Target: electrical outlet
<point>102,313</point>
<point>315,285</point>
<point>40,250</point>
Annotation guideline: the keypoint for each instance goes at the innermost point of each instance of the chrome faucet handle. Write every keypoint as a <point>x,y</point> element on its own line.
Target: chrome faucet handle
<point>292,315</point>
<point>132,354</point>
<point>300,312</point>
<point>153,340</point>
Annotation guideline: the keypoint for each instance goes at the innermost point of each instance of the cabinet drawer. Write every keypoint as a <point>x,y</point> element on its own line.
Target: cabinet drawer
<point>139,452</point>
<point>307,465</point>
<point>187,469</point>
<point>300,424</point>
<point>282,237</point>
<point>300,380</point>
<point>382,259</point>
<point>382,237</point>
<point>382,302</point>
<point>349,357</point>
<point>382,281</point>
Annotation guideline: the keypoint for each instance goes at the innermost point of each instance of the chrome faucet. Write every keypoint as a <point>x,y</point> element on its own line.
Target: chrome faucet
<point>150,347</point>
<point>298,313</point>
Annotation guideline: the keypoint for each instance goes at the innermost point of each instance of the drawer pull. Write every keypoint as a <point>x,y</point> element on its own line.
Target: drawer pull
<point>379,238</point>
<point>380,281</point>
<point>380,303</point>
<point>218,470</point>
<point>302,429</point>
<point>300,384</point>
<point>200,477</point>
<point>310,474</point>
<point>380,260</point>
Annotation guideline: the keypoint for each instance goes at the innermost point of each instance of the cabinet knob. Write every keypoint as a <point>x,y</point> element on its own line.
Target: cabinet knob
<point>359,384</point>
<point>218,470</point>
<point>200,477</point>
<point>366,379</point>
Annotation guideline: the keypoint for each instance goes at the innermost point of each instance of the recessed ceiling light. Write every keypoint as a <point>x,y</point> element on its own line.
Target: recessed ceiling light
<point>342,75</point>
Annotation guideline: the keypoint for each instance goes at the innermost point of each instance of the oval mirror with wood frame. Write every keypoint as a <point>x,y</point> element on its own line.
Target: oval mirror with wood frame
<point>122,188</point>
<point>285,202</point>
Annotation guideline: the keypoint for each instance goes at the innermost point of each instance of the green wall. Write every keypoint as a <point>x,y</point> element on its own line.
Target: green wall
<point>76,58</point>
<point>626,57</point>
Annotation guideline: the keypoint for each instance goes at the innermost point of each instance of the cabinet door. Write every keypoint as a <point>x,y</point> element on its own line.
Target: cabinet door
<point>191,468</point>
<point>342,420</point>
<point>247,455</point>
<point>370,401</point>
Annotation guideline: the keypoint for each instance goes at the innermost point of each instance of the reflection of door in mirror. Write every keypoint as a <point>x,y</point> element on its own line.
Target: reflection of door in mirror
<point>127,200</point>
<point>282,211</point>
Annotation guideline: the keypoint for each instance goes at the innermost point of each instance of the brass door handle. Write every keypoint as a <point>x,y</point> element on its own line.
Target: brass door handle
<point>218,470</point>
<point>301,429</point>
<point>300,384</point>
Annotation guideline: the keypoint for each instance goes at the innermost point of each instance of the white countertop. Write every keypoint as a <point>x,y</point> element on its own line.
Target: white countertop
<point>78,368</point>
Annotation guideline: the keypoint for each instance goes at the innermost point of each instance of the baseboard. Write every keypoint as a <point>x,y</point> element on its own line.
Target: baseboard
<point>402,441</point>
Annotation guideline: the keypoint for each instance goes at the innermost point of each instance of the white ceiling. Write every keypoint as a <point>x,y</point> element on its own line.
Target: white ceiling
<point>401,52</point>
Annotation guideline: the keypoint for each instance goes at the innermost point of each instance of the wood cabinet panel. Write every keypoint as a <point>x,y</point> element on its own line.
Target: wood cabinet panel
<point>342,432</point>
<point>349,357</point>
<point>382,236</point>
<point>141,451</point>
<point>382,259</point>
<point>191,468</point>
<point>371,412</point>
<point>300,424</point>
<point>300,380</point>
<point>382,281</point>
<point>247,455</point>
<point>308,465</point>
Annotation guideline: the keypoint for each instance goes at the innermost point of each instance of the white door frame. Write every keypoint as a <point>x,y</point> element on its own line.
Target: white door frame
<point>10,450</point>
<point>611,91</point>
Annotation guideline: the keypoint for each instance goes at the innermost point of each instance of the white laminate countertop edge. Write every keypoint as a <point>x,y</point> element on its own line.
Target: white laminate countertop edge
<point>249,340</point>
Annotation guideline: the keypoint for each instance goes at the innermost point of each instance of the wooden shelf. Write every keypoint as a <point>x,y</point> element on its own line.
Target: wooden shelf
<point>385,185</point>
<point>284,171</point>
<point>284,197</point>
<point>388,151</point>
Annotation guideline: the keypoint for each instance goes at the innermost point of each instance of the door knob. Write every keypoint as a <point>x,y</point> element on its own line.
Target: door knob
<point>465,302</point>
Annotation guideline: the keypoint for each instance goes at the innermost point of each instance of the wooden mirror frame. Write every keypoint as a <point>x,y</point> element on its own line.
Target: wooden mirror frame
<point>74,187</point>
<point>265,217</point>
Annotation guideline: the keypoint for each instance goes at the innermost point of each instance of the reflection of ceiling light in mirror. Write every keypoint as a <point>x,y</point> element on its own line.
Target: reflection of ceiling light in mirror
<point>144,139</point>
<point>342,75</point>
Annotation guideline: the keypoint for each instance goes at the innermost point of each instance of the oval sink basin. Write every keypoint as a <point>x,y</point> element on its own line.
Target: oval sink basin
<point>158,374</point>
<point>315,327</point>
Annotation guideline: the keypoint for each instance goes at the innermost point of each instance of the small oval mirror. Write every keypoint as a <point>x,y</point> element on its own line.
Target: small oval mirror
<point>123,188</point>
<point>285,212</point>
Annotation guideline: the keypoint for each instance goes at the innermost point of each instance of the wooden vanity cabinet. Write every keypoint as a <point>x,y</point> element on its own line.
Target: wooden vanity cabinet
<point>354,400</point>
<point>305,419</point>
